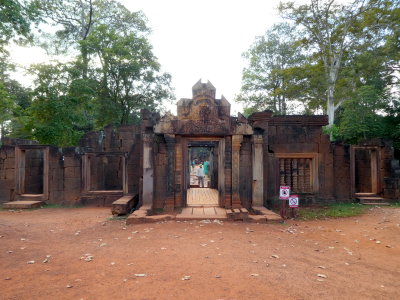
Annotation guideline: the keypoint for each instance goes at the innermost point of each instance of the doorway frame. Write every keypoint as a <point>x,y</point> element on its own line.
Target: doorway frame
<point>221,164</point>
<point>86,174</point>
<point>20,162</point>
<point>376,184</point>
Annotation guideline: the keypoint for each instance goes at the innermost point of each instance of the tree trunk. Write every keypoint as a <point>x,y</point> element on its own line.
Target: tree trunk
<point>85,61</point>
<point>330,107</point>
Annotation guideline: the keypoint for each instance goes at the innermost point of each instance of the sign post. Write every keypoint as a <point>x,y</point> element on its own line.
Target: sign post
<point>284,193</point>
<point>293,204</point>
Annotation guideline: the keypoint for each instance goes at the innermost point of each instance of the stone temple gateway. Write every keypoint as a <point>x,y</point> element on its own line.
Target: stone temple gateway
<point>152,162</point>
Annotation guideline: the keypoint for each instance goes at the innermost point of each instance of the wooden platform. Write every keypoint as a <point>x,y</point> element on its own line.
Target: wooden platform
<point>206,212</point>
<point>202,197</point>
<point>23,204</point>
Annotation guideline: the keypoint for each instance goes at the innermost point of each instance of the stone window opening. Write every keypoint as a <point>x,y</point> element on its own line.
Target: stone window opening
<point>105,172</point>
<point>299,171</point>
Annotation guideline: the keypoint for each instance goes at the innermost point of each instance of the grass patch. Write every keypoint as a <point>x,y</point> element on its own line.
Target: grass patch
<point>118,218</point>
<point>336,210</point>
<point>395,204</point>
<point>57,205</point>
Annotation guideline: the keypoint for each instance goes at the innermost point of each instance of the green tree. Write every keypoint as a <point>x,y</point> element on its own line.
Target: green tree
<point>333,32</point>
<point>273,71</point>
<point>60,110</point>
<point>78,18</point>
<point>6,108</point>
<point>129,77</point>
<point>16,18</point>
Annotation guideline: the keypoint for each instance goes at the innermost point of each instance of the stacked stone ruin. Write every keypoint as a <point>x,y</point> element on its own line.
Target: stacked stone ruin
<point>148,162</point>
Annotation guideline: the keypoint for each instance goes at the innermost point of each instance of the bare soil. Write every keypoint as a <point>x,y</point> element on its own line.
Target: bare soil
<point>79,253</point>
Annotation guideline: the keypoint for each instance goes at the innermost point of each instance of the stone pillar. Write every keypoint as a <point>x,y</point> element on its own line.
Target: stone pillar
<point>170,199</point>
<point>236,144</point>
<point>258,172</point>
<point>179,181</point>
<point>148,170</point>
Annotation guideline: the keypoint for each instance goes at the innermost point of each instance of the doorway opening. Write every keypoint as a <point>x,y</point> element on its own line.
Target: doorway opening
<point>202,162</point>
<point>32,164</point>
<point>365,179</point>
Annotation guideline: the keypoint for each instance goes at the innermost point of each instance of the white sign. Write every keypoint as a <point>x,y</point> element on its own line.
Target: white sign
<point>294,201</point>
<point>284,192</point>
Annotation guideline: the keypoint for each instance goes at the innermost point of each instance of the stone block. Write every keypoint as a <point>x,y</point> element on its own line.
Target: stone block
<point>10,174</point>
<point>69,172</point>
<point>295,148</point>
<point>71,162</point>
<point>272,130</point>
<point>9,163</point>
<point>325,139</point>
<point>124,205</point>
<point>72,184</point>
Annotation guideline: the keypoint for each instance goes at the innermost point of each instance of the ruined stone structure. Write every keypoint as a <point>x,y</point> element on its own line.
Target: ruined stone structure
<point>249,159</point>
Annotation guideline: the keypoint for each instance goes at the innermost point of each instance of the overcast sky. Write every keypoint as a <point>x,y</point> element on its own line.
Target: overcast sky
<point>198,40</point>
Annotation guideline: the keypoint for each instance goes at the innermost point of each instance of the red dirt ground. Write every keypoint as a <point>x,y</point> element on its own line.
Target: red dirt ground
<point>357,258</point>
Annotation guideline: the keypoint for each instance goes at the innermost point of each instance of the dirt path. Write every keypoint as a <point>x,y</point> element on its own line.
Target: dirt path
<point>357,258</point>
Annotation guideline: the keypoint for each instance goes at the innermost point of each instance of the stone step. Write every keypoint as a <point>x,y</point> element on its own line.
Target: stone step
<point>269,215</point>
<point>124,205</point>
<point>237,214</point>
<point>23,204</point>
<point>372,200</point>
<point>366,195</point>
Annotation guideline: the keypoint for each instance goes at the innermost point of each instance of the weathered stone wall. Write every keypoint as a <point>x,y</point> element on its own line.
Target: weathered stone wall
<point>342,176</point>
<point>107,173</point>
<point>301,135</point>
<point>7,173</point>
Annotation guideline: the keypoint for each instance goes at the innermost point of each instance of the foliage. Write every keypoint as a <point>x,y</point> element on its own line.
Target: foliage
<point>60,111</point>
<point>274,69</point>
<point>110,76</point>
<point>341,59</point>
<point>128,76</point>
<point>15,21</point>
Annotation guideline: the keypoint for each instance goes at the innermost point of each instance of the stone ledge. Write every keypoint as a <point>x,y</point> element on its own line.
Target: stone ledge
<point>23,204</point>
<point>269,215</point>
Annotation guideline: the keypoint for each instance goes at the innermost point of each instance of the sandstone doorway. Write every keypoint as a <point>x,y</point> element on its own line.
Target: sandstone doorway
<point>32,169</point>
<point>365,170</point>
<point>208,153</point>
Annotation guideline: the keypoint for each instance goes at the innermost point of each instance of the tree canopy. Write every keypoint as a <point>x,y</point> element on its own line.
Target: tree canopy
<point>341,60</point>
<point>111,72</point>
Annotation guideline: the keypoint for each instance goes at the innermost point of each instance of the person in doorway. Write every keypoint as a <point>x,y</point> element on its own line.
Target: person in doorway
<point>200,175</point>
<point>206,164</point>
